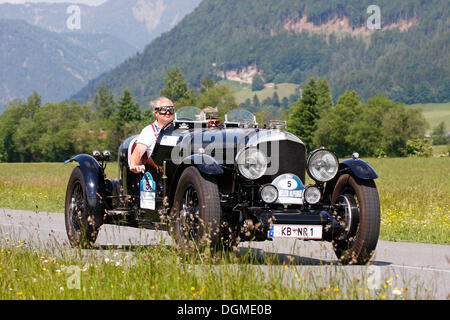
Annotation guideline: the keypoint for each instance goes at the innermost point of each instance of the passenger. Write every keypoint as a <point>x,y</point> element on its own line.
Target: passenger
<point>163,110</point>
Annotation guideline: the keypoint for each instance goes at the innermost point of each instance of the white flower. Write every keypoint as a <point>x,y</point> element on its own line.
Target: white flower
<point>396,291</point>
<point>61,289</point>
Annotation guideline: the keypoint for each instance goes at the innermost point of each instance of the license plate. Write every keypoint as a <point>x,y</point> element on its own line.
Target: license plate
<point>295,231</point>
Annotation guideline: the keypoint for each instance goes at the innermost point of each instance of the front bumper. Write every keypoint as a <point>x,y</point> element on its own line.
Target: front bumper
<point>266,217</point>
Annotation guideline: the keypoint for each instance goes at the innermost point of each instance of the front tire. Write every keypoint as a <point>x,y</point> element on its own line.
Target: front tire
<point>196,214</point>
<point>80,226</point>
<point>360,197</point>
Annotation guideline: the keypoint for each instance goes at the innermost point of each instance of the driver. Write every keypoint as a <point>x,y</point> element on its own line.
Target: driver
<point>164,112</point>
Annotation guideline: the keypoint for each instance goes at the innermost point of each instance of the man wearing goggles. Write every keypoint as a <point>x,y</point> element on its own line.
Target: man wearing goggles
<point>164,112</point>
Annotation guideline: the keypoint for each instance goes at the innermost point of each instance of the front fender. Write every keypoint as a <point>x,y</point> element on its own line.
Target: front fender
<point>93,178</point>
<point>359,168</point>
<point>204,163</point>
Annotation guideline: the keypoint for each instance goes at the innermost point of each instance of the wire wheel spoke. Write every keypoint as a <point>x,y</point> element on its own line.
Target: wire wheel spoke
<point>190,222</point>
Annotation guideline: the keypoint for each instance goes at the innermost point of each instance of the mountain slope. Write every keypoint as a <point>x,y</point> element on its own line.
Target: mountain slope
<point>134,21</point>
<point>291,40</point>
<point>55,65</point>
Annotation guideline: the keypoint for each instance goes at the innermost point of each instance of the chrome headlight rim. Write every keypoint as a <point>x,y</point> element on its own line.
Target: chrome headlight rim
<point>314,153</point>
<point>308,189</point>
<point>268,185</point>
<point>240,161</point>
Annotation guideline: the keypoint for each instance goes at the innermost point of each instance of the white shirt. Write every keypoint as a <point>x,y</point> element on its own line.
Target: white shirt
<point>148,136</point>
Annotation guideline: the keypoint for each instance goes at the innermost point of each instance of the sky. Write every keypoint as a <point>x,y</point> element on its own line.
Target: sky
<point>87,2</point>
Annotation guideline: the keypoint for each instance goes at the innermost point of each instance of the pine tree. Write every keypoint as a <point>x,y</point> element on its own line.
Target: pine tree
<point>128,109</point>
<point>257,83</point>
<point>176,88</point>
<point>304,114</point>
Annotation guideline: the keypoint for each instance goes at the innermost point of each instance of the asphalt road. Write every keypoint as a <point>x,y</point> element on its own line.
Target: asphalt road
<point>424,269</point>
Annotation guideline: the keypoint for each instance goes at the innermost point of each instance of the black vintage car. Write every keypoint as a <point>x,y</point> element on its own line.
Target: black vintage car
<point>216,184</point>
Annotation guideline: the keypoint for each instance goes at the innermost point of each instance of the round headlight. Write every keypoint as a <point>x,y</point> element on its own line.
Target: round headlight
<point>268,193</point>
<point>252,163</point>
<point>312,194</point>
<point>322,165</point>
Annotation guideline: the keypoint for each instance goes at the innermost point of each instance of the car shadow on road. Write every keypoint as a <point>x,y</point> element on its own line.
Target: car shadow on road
<point>259,256</point>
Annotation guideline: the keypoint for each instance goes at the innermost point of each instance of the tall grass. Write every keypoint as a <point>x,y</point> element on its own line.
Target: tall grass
<point>162,272</point>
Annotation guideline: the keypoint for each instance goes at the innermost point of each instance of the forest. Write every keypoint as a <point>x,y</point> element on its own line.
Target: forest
<point>32,132</point>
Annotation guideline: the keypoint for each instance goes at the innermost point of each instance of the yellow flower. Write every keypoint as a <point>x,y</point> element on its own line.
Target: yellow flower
<point>112,287</point>
<point>19,293</point>
<point>383,297</point>
<point>336,289</point>
<point>275,290</point>
<point>285,267</point>
<point>296,275</point>
<point>192,288</point>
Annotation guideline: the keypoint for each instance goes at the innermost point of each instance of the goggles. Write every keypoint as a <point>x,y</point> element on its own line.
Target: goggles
<point>163,110</point>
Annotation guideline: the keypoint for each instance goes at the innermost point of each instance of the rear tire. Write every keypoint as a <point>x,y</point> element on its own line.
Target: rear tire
<point>196,213</point>
<point>80,225</point>
<point>360,241</point>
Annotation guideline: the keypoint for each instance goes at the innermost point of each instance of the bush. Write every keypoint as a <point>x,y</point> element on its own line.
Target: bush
<point>419,148</point>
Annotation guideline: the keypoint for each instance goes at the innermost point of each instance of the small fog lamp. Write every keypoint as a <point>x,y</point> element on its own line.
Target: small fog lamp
<point>312,194</point>
<point>268,193</point>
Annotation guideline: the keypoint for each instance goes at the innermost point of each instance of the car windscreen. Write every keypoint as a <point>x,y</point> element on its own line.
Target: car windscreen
<point>240,116</point>
<point>190,114</point>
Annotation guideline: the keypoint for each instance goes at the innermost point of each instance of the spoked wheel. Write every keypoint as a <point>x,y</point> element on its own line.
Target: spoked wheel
<point>196,212</point>
<point>190,220</point>
<point>79,223</point>
<point>359,214</point>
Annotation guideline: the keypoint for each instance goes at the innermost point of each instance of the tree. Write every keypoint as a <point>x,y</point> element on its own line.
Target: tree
<point>220,97</point>
<point>104,104</point>
<point>333,128</point>
<point>324,100</point>
<point>275,100</point>
<point>400,125</point>
<point>128,109</point>
<point>256,102</point>
<point>206,84</point>
<point>439,134</point>
<point>304,114</point>
<point>257,83</point>
<point>176,88</point>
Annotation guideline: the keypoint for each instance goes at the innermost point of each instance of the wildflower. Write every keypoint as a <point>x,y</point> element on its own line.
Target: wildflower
<point>275,290</point>
<point>19,293</point>
<point>396,292</point>
<point>383,297</point>
<point>58,271</point>
<point>61,289</point>
<point>285,267</point>
<point>192,288</point>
